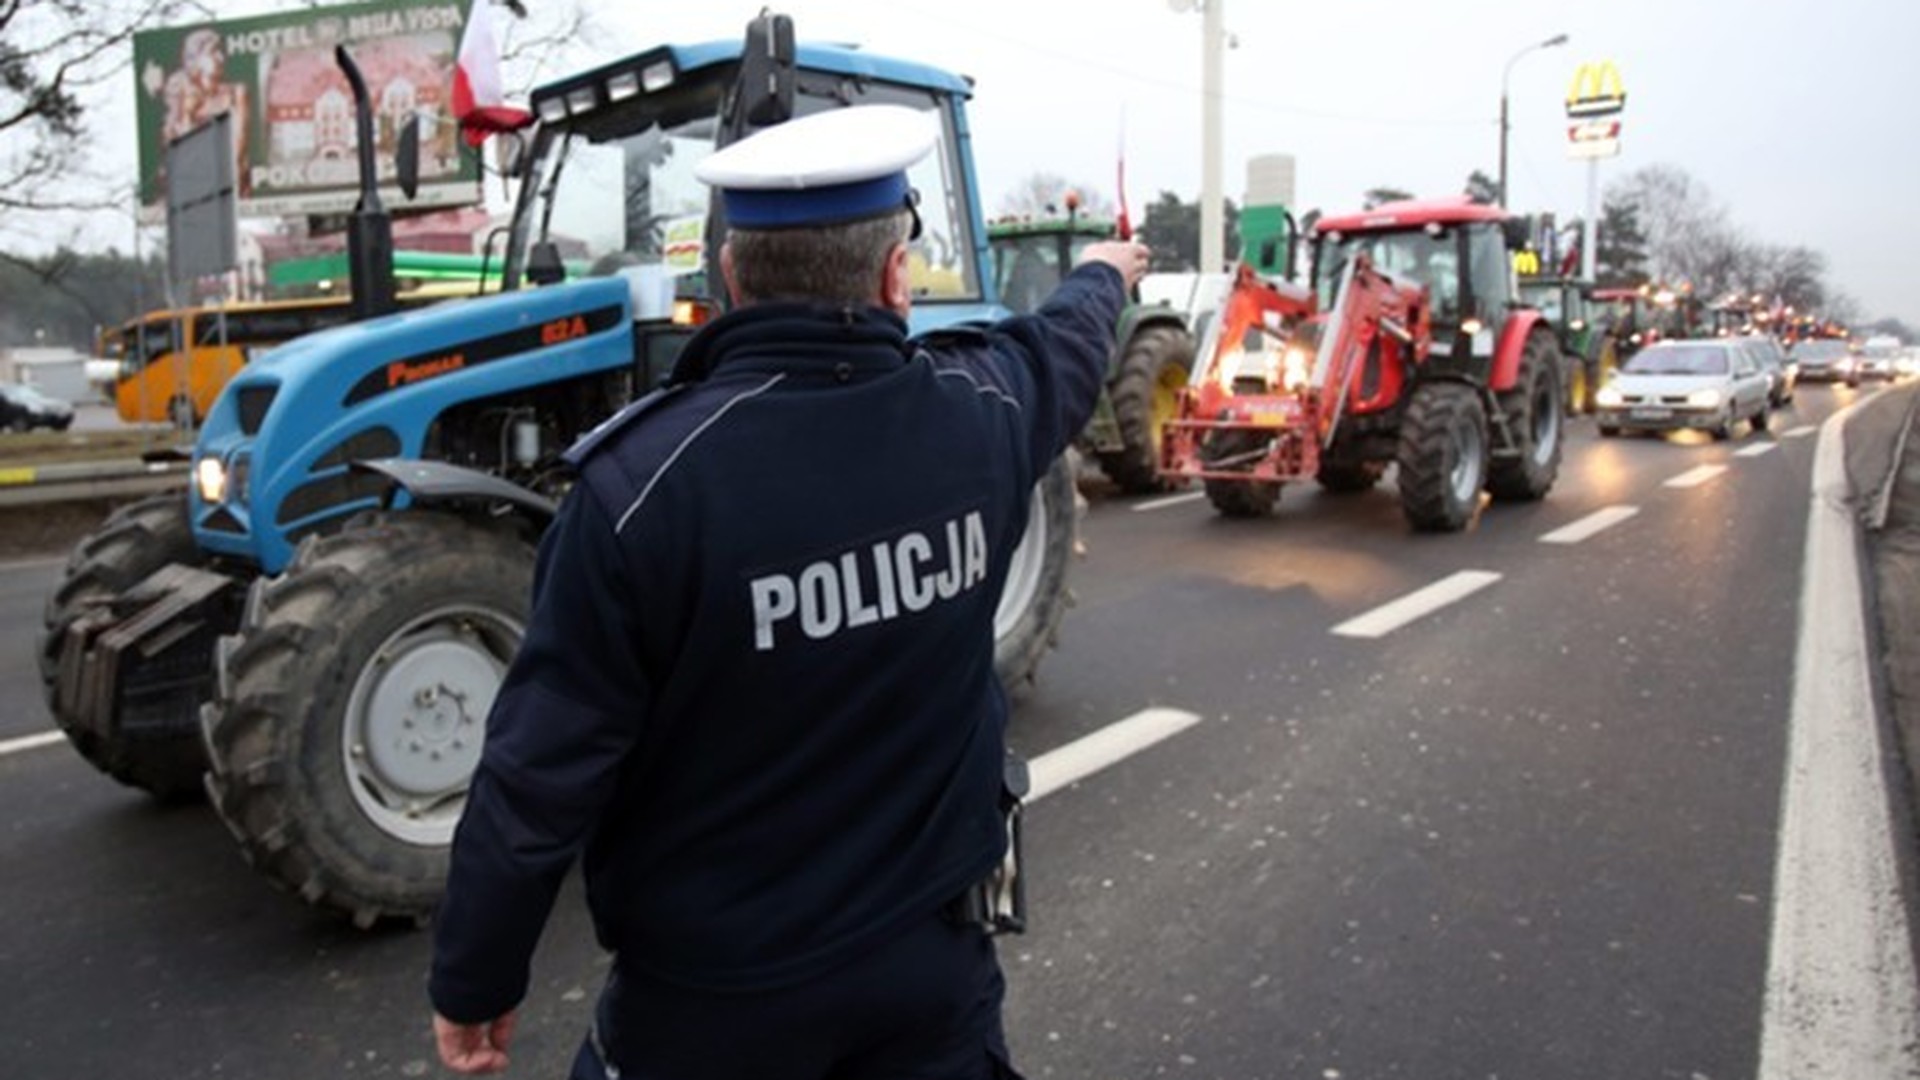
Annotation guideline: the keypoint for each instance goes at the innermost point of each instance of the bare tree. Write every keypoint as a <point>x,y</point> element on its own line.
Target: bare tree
<point>1688,237</point>
<point>55,55</point>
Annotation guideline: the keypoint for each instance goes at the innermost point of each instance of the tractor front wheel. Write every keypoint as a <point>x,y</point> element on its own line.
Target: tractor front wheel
<point>351,706</point>
<point>1442,456</point>
<point>1533,413</point>
<point>164,756</point>
<point>1239,498</point>
<point>1145,394</point>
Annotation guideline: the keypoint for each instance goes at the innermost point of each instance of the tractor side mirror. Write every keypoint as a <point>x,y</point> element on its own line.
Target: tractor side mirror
<point>1518,232</point>
<point>767,71</point>
<point>407,156</point>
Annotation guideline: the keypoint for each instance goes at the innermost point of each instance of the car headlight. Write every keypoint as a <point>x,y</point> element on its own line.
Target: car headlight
<point>210,476</point>
<point>1705,399</point>
<point>1609,396</point>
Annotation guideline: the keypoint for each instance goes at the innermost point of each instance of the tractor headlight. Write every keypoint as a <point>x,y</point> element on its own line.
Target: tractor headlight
<point>210,476</point>
<point>1295,369</point>
<point>1610,397</point>
<point>1704,399</point>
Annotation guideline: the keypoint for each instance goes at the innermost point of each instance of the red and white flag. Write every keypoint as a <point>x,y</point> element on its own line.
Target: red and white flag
<point>478,102</point>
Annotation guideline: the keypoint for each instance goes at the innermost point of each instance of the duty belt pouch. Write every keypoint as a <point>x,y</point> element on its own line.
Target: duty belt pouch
<point>999,902</point>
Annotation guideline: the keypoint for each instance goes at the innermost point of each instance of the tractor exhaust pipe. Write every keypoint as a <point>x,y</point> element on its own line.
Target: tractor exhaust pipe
<point>369,227</point>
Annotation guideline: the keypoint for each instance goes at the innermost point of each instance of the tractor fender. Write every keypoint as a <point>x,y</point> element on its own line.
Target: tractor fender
<point>1511,346</point>
<point>1135,319</point>
<point>436,483</point>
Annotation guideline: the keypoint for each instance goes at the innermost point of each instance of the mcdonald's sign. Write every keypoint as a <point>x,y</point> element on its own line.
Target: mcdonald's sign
<point>1526,262</point>
<point>1596,91</point>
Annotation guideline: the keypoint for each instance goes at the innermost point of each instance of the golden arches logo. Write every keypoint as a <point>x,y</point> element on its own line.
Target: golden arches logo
<point>1526,262</point>
<point>1596,90</point>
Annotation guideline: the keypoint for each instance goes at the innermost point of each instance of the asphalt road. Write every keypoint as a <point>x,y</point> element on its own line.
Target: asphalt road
<point>1531,833</point>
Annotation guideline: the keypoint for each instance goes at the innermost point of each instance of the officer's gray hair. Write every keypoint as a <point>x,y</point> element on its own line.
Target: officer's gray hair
<point>834,264</point>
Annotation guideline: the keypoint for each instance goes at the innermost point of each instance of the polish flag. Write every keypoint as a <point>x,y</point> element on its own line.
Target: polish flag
<point>478,103</point>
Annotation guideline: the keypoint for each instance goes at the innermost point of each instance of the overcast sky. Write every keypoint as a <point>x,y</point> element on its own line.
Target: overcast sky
<point>1796,116</point>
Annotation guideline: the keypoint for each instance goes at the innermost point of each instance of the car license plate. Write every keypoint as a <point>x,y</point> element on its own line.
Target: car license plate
<point>1651,414</point>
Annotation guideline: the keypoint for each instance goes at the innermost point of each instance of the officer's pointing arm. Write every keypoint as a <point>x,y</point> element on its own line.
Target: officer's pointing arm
<point>1068,341</point>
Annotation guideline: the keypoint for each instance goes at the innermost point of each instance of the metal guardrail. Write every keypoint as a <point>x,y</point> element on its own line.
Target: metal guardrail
<point>35,484</point>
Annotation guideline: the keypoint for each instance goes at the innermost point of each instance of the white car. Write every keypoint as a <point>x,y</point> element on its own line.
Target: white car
<point>1710,385</point>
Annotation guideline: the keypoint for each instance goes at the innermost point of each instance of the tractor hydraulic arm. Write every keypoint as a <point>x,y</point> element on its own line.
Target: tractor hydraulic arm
<point>1375,319</point>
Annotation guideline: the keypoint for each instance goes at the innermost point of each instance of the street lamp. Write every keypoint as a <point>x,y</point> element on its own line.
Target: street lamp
<point>1557,39</point>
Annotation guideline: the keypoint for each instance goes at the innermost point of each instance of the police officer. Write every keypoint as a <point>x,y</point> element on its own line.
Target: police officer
<point>757,687</point>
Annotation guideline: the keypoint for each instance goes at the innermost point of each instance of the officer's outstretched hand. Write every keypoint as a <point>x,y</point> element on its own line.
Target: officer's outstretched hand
<point>473,1049</point>
<point>1125,256</point>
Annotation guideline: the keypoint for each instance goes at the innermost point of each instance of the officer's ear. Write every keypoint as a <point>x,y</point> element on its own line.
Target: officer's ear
<point>896,281</point>
<point>726,272</point>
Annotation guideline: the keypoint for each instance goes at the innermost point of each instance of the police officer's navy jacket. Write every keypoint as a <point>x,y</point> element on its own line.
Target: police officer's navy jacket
<point>758,685</point>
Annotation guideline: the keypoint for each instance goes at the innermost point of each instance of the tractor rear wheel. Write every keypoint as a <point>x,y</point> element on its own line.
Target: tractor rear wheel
<point>1442,456</point>
<point>1035,598</point>
<point>350,708</point>
<point>166,759</point>
<point>1239,498</point>
<point>1533,414</point>
<point>1145,394</point>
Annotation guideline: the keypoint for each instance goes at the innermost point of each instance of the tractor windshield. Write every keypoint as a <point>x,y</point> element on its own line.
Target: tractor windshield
<point>1416,255</point>
<point>613,192</point>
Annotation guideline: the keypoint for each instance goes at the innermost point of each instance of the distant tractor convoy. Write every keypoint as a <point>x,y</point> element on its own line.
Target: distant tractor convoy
<point>315,632</point>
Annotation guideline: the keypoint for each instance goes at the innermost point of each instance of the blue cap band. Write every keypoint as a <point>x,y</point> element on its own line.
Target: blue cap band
<point>830,205</point>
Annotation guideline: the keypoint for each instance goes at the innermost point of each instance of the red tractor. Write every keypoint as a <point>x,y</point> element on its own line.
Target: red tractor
<point>1410,347</point>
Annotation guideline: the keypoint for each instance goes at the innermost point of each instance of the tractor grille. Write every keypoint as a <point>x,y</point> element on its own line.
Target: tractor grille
<point>374,442</point>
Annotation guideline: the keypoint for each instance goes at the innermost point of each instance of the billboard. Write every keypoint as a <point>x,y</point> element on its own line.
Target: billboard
<point>295,144</point>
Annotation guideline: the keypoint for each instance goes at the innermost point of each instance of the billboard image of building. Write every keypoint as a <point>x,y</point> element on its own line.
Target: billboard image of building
<point>295,143</point>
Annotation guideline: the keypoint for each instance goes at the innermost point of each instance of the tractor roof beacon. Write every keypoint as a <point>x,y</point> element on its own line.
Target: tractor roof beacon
<point>1408,348</point>
<point>320,627</point>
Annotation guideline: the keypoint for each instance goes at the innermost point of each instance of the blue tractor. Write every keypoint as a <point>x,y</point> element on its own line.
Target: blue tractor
<point>319,627</point>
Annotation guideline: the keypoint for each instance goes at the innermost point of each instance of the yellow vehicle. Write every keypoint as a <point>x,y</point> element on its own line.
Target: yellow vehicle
<point>173,363</point>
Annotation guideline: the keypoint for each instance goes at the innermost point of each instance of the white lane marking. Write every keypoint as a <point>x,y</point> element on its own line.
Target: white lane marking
<point>1597,522</point>
<point>1755,450</point>
<point>1800,432</point>
<point>1696,477</point>
<point>1389,617</point>
<point>1110,745</point>
<point>1170,500</point>
<point>1840,995</point>
<point>30,742</point>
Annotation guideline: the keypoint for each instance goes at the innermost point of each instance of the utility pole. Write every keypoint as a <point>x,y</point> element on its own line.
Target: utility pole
<point>1212,198</point>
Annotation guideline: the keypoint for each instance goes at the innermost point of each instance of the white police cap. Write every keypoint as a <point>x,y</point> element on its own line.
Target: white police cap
<point>829,168</point>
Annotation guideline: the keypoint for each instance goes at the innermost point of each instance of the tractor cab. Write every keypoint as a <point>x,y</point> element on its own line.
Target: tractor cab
<point>608,188</point>
<point>1032,255</point>
<point>1458,249</point>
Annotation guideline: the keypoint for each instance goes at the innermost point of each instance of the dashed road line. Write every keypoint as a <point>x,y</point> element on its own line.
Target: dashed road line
<point>1389,617</point>
<point>1800,432</point>
<point>1593,524</point>
<point>1840,998</point>
<point>1755,450</point>
<point>1170,500</point>
<point>1696,477</point>
<point>30,742</point>
<point>1110,745</point>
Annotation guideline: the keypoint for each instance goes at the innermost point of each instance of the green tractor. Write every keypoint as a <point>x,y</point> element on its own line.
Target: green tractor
<point>1147,370</point>
<point>1580,323</point>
